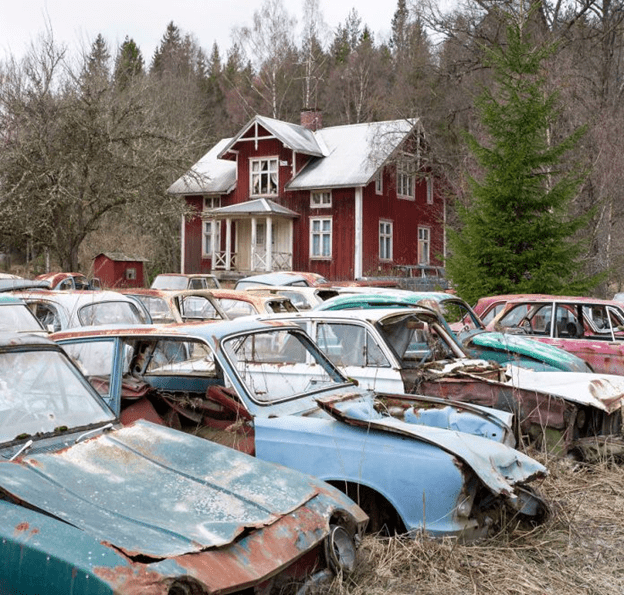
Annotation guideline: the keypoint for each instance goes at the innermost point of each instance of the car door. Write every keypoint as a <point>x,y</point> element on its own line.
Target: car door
<point>359,353</point>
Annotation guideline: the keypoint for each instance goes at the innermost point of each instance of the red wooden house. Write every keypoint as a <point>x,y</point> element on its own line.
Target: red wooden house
<point>344,201</point>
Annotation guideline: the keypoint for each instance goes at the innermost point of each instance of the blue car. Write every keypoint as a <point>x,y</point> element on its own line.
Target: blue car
<point>413,463</point>
<point>88,506</point>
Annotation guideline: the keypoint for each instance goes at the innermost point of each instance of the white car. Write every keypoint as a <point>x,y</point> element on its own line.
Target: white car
<point>61,310</point>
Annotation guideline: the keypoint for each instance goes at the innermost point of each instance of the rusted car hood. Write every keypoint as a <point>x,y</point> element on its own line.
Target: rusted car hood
<point>187,494</point>
<point>499,467</point>
<point>603,391</point>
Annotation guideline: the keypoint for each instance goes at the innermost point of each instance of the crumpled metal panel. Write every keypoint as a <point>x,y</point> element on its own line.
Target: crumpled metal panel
<point>603,391</point>
<point>150,490</point>
<point>499,467</point>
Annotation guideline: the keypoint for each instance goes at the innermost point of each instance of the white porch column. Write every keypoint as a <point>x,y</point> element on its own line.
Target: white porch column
<point>213,242</point>
<point>182,243</point>
<point>358,250</point>
<point>254,232</point>
<point>268,267</point>
<point>228,244</point>
<point>291,228</point>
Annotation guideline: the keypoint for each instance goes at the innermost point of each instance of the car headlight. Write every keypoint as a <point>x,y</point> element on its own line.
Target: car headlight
<point>340,550</point>
<point>185,586</point>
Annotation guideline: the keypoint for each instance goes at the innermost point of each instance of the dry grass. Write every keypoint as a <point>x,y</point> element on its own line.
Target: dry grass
<point>578,550</point>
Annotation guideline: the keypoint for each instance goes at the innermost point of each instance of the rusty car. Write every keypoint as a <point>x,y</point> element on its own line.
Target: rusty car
<point>414,464</point>
<point>590,328</point>
<point>413,350</point>
<point>58,310</point>
<point>237,302</point>
<point>62,281</point>
<point>181,281</point>
<point>477,341</point>
<point>184,305</point>
<point>90,506</point>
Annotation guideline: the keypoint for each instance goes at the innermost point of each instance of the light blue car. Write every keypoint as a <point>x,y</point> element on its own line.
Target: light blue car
<point>412,463</point>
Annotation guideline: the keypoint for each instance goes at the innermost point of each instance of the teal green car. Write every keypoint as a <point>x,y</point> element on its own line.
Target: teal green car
<point>89,507</point>
<point>478,342</point>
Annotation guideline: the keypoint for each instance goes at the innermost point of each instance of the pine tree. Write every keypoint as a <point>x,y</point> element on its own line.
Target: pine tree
<point>129,64</point>
<point>517,235</point>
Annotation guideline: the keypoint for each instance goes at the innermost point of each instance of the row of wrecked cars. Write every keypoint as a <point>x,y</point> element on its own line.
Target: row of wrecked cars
<point>243,456</point>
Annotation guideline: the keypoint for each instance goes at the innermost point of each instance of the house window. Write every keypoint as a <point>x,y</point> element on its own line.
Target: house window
<point>385,240</point>
<point>212,202</point>
<point>424,245</point>
<point>429,190</point>
<point>264,180</point>
<point>321,238</point>
<point>131,274</point>
<point>379,182</point>
<point>207,239</point>
<point>406,174</point>
<point>320,199</point>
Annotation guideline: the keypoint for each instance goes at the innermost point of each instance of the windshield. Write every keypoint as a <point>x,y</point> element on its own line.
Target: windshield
<point>278,364</point>
<point>158,309</point>
<point>17,317</point>
<point>170,282</point>
<point>40,391</point>
<point>110,313</point>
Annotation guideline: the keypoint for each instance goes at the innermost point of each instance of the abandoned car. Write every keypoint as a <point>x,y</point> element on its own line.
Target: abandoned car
<point>59,310</point>
<point>237,302</point>
<point>89,506</point>
<point>590,328</point>
<point>477,341</point>
<point>16,316</point>
<point>181,281</point>
<point>413,464</point>
<point>167,306</point>
<point>413,350</point>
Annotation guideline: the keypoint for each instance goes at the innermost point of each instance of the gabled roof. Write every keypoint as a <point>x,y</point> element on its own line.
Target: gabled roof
<point>342,156</point>
<point>355,153</point>
<point>210,175</point>
<point>294,136</point>
<point>259,206</point>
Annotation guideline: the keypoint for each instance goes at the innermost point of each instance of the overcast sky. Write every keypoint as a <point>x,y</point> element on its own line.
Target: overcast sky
<point>76,23</point>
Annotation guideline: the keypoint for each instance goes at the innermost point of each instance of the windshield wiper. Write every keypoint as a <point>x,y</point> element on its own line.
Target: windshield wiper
<point>24,448</point>
<point>108,426</point>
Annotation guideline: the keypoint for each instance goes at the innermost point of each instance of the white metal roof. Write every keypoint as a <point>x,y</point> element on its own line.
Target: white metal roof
<point>209,175</point>
<point>342,156</point>
<point>356,152</point>
<point>259,206</point>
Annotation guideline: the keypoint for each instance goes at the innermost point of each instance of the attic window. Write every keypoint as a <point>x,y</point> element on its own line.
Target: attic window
<point>264,177</point>
<point>406,174</point>
<point>379,182</point>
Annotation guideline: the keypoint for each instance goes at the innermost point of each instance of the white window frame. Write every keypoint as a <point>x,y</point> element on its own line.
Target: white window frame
<point>424,245</point>
<point>429,190</point>
<point>320,230</point>
<point>264,170</point>
<point>386,229</point>
<point>406,177</point>
<point>211,202</point>
<point>379,182</point>
<point>207,238</point>
<point>320,199</point>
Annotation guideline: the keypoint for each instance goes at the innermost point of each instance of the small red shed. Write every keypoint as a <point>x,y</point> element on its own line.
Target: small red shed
<point>117,270</point>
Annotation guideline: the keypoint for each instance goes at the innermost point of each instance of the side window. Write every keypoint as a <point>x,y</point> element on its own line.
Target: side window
<point>344,344</point>
<point>48,315</point>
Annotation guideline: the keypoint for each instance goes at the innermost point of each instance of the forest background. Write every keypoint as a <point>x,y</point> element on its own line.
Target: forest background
<point>93,138</point>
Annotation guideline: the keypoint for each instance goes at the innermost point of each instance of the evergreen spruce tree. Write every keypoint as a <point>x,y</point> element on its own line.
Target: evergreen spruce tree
<point>517,235</point>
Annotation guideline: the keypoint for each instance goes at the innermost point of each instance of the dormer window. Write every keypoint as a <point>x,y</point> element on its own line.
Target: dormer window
<point>264,177</point>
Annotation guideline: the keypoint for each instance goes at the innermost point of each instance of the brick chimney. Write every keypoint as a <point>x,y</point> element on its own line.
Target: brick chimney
<point>312,119</point>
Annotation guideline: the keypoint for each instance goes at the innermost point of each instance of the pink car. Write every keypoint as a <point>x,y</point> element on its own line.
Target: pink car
<point>590,328</point>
